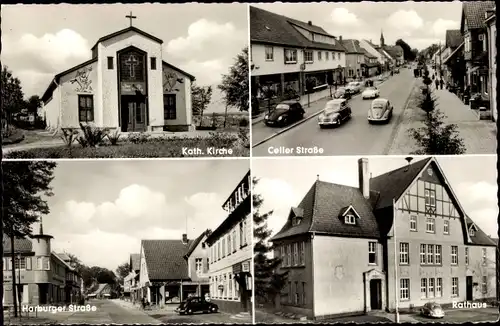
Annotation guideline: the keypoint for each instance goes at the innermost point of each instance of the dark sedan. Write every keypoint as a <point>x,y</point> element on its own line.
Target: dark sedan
<point>342,93</point>
<point>196,304</point>
<point>284,113</point>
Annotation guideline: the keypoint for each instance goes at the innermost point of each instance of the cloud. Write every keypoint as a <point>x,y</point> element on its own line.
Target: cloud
<point>207,72</point>
<point>405,20</point>
<point>486,218</point>
<point>343,17</point>
<point>279,197</point>
<point>440,26</point>
<point>206,39</point>
<point>138,208</point>
<point>478,193</point>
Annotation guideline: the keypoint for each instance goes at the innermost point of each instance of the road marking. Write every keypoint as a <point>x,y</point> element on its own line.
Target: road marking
<point>301,121</point>
<point>396,130</point>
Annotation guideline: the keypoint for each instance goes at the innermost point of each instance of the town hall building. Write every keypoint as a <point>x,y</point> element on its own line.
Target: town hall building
<point>126,85</point>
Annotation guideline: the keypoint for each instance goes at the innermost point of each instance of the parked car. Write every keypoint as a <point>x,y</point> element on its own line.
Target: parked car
<point>432,310</point>
<point>396,71</point>
<point>284,113</point>
<point>354,87</point>
<point>380,78</point>
<point>196,304</point>
<point>370,92</point>
<point>380,111</point>
<point>335,113</point>
<point>342,93</point>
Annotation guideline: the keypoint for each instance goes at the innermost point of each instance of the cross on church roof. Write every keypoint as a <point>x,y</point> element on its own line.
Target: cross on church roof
<point>130,16</point>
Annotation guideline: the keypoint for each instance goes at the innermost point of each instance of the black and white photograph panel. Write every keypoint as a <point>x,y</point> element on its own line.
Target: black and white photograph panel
<point>127,242</point>
<point>376,239</point>
<point>373,78</point>
<point>138,80</point>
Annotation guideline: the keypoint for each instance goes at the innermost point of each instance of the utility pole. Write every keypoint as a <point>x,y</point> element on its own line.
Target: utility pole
<point>396,297</point>
<point>13,266</point>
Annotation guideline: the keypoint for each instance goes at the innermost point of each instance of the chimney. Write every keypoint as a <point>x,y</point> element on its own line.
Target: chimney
<point>363,175</point>
<point>408,159</point>
<point>340,38</point>
<point>184,238</point>
<point>310,23</point>
<point>317,177</point>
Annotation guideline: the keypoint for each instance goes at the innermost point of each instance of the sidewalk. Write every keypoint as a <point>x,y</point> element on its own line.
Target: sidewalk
<point>315,97</point>
<point>479,136</point>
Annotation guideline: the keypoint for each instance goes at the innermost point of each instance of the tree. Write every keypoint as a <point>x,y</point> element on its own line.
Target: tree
<point>25,186</point>
<point>436,138</point>
<point>235,85</point>
<point>269,281</point>
<point>11,93</point>
<point>33,104</point>
<point>123,270</point>
<point>408,54</point>
<point>200,99</point>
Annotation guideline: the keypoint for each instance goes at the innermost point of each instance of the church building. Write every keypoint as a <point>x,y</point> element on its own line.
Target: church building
<point>126,85</point>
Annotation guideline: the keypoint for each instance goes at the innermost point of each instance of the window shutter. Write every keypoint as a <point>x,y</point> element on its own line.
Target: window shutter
<point>9,264</point>
<point>28,263</point>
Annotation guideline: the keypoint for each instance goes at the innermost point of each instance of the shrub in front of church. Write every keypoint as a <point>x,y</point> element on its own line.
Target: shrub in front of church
<point>69,135</point>
<point>92,136</point>
<point>113,137</point>
<point>139,138</point>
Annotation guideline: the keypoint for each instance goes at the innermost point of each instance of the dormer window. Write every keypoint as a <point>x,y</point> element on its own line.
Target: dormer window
<point>472,232</point>
<point>296,221</point>
<point>349,219</point>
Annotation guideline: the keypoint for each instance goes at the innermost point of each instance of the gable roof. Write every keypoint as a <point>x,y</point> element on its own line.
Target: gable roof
<point>196,242</point>
<point>393,51</point>
<point>352,46</point>
<point>135,262</point>
<point>384,53</point>
<point>367,54</point>
<point>21,245</point>
<point>392,184</point>
<point>179,70</point>
<point>453,38</point>
<point>270,28</point>
<point>474,12</point>
<point>480,238</point>
<point>322,206</point>
<point>165,259</point>
<point>126,30</point>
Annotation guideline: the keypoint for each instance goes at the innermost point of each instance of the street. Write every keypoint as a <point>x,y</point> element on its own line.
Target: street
<point>117,311</point>
<point>356,136</point>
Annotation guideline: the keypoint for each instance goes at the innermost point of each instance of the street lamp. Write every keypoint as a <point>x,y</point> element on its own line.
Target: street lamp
<point>19,283</point>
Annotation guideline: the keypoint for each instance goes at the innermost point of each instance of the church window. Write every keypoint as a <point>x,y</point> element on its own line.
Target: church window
<point>153,63</point>
<point>110,63</point>
<point>86,108</point>
<point>169,106</point>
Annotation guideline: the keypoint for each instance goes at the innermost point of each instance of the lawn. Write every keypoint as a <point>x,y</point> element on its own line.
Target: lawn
<point>236,145</point>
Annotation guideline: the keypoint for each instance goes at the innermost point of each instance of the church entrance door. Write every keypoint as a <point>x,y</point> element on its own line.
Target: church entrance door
<point>133,114</point>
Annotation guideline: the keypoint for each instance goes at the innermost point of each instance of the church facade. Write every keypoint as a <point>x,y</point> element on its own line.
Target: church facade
<point>125,86</point>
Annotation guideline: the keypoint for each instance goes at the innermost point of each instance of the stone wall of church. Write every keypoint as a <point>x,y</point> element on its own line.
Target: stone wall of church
<point>108,78</point>
<point>177,85</point>
<point>75,86</point>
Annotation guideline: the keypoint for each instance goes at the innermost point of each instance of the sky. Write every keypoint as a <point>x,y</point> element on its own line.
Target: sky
<point>101,209</point>
<point>202,39</point>
<point>419,24</point>
<point>284,182</point>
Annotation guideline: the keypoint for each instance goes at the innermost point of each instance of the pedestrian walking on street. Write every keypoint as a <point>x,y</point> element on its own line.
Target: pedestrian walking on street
<point>437,83</point>
<point>143,302</point>
<point>441,83</point>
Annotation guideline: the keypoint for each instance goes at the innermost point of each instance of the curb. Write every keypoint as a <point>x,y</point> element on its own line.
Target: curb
<point>398,122</point>
<point>301,121</point>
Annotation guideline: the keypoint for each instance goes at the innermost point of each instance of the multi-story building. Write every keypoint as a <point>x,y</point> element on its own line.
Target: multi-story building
<point>490,21</point>
<point>354,59</point>
<point>131,281</point>
<point>451,53</point>
<point>372,49</point>
<point>230,247</point>
<point>284,52</point>
<point>473,28</point>
<point>370,66</point>
<point>400,239</point>
<point>42,277</point>
<point>197,262</point>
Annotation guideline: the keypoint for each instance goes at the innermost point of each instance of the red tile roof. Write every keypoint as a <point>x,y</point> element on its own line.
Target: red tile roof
<point>453,38</point>
<point>165,259</point>
<point>474,12</point>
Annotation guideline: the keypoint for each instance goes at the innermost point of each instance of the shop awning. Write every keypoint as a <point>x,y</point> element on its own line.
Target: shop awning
<point>445,61</point>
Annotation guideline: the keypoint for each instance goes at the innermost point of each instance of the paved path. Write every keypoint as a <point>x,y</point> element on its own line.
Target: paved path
<point>479,135</point>
<point>355,137</point>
